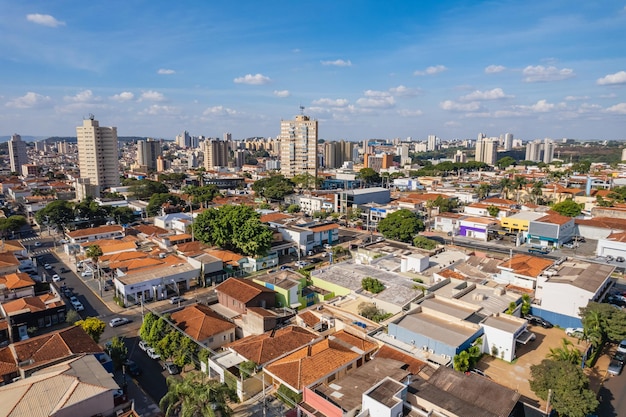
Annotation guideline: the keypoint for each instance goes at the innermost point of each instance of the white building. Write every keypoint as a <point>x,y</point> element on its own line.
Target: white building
<point>298,146</point>
<point>97,157</point>
<point>17,153</point>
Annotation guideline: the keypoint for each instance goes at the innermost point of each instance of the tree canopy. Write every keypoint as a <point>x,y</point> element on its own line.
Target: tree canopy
<point>568,387</point>
<point>234,227</point>
<point>568,208</point>
<point>400,225</point>
<point>144,189</point>
<point>275,187</point>
<point>157,200</point>
<point>195,395</point>
<point>93,326</point>
<point>57,212</point>
<point>369,176</point>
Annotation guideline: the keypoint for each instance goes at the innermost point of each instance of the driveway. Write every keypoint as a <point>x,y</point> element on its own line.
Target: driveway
<point>516,375</point>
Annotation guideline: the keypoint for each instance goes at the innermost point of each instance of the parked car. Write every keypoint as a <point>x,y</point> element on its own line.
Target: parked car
<point>620,259</point>
<point>152,353</point>
<point>622,346</point>
<point>86,273</point>
<point>301,264</point>
<point>327,246</point>
<point>132,368</point>
<point>37,244</point>
<point>119,321</point>
<point>538,321</point>
<point>78,306</point>
<point>574,331</point>
<point>176,299</point>
<point>56,278</point>
<point>47,266</point>
<point>73,299</point>
<point>143,345</point>
<point>615,367</point>
<point>63,270</point>
<point>171,368</point>
<point>609,258</point>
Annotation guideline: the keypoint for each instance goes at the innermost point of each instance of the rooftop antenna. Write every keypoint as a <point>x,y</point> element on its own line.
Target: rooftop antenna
<point>301,109</point>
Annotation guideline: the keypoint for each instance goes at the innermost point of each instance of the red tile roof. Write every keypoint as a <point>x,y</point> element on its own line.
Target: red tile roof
<point>271,217</point>
<point>554,218</point>
<point>527,265</point>
<point>241,289</point>
<point>262,348</point>
<point>17,280</point>
<point>200,322</point>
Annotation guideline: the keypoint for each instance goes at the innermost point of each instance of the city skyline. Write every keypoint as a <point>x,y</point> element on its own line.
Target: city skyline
<point>537,69</point>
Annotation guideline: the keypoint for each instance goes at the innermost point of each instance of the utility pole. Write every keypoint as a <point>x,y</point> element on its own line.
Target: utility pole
<point>548,402</point>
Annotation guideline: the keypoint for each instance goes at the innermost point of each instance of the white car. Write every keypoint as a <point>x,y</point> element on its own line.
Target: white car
<point>56,278</point>
<point>47,266</point>
<point>143,345</point>
<point>176,299</point>
<point>37,244</point>
<point>301,264</point>
<point>574,331</point>
<point>152,353</point>
<point>119,321</point>
<point>86,273</point>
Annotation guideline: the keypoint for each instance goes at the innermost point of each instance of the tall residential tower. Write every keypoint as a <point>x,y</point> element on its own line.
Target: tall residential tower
<point>97,157</point>
<point>17,153</point>
<point>298,146</point>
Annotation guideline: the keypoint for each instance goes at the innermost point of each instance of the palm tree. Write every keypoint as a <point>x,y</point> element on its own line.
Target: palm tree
<point>483,190</point>
<point>518,183</point>
<point>194,397</point>
<point>95,252</point>
<point>505,186</point>
<point>566,353</point>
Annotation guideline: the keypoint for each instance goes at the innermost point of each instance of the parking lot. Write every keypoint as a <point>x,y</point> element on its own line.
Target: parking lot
<point>516,375</point>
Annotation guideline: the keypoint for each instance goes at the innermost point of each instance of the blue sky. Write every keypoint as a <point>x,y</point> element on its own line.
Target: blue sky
<point>364,69</point>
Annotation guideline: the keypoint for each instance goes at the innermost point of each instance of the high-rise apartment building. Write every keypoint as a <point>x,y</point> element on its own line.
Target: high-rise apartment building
<point>97,157</point>
<point>336,153</point>
<point>486,149</point>
<point>147,153</point>
<point>538,151</point>
<point>431,144</point>
<point>17,153</point>
<point>298,146</point>
<point>183,140</point>
<point>508,141</point>
<point>216,153</point>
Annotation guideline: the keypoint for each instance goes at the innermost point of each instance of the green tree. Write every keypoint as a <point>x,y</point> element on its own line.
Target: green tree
<point>400,225</point>
<point>372,285</point>
<point>293,208</point>
<point>525,304</point>
<point>461,362</point>
<point>568,208</point>
<point>234,227</point>
<point>149,321</point>
<point>424,243</point>
<point>247,368</point>
<point>566,352</point>
<point>567,385</point>
<point>157,200</point>
<point>493,211</point>
<point>123,215</point>
<point>202,196</point>
<point>193,396</point>
<point>505,162</point>
<point>144,189</point>
<point>483,190</point>
<point>58,212</point>
<point>93,326</point>
<point>11,224</point>
<point>305,181</point>
<point>369,176</point>
<point>72,316</point>
<point>505,185</point>
<point>444,205</point>
<point>275,187</point>
<point>118,351</point>
<point>94,252</point>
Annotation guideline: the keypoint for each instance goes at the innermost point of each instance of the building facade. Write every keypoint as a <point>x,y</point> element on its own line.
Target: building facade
<point>97,156</point>
<point>216,153</point>
<point>17,153</point>
<point>147,153</point>
<point>298,146</point>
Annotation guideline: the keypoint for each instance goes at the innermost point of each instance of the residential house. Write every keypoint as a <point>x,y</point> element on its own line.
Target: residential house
<point>448,222</point>
<point>96,233</point>
<point>240,294</point>
<point>349,199</point>
<point>78,386</point>
<point>205,326</point>
<point>522,270</point>
<point>16,285</point>
<point>477,227</point>
<point>37,312</point>
<point>288,286</point>
<point>323,361</point>
<point>166,221</point>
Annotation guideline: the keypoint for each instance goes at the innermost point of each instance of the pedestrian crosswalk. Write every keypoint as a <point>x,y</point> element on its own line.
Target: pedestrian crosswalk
<point>29,239</point>
<point>41,251</point>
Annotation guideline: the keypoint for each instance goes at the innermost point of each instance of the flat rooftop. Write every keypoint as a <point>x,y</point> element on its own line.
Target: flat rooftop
<point>451,333</point>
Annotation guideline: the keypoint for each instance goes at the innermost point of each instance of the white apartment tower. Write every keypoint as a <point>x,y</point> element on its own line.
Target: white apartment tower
<point>431,144</point>
<point>508,141</point>
<point>298,146</point>
<point>486,149</point>
<point>97,157</point>
<point>216,153</point>
<point>184,140</point>
<point>17,153</point>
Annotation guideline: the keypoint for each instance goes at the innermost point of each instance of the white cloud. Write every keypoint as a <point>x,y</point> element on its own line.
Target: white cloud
<point>164,71</point>
<point>495,94</point>
<point>29,100</point>
<point>402,91</point>
<point>410,113</point>
<point>282,93</point>
<point>376,99</point>
<point>85,96</point>
<point>610,79</point>
<point>618,108</point>
<point>219,111</point>
<point>250,79</point>
<point>436,69</point>
<point>542,106</point>
<point>151,96</point>
<point>452,123</point>
<point>340,102</point>
<point>454,106</point>
<point>540,73</point>
<point>337,63</point>
<point>494,69</point>
<point>609,95</point>
<point>157,110</point>
<point>123,96</point>
<point>576,98</point>
<point>44,20</point>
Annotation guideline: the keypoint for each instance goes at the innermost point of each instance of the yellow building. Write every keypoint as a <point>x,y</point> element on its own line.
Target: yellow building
<point>519,222</point>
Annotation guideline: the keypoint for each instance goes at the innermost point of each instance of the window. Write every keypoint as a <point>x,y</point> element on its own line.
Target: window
<point>210,340</point>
